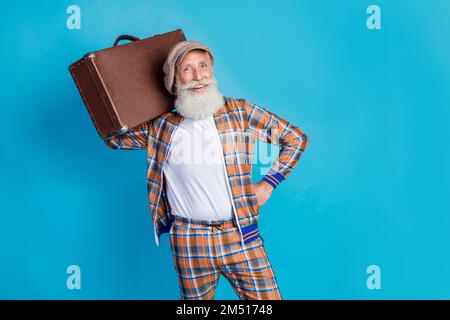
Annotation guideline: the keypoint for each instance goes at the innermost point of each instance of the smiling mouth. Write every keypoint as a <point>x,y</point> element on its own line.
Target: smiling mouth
<point>200,87</point>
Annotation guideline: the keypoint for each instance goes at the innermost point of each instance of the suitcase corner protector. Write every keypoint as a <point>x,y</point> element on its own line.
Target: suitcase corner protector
<point>90,55</point>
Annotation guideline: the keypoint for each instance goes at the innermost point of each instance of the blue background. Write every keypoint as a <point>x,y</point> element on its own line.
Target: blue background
<point>372,188</point>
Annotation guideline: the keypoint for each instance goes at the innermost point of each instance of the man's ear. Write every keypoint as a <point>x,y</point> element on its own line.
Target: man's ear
<point>175,83</point>
<point>211,60</point>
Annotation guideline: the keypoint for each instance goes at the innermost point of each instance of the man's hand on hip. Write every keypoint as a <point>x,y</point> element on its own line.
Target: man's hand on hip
<point>263,191</point>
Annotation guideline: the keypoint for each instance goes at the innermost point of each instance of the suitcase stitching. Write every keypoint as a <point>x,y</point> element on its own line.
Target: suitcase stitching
<point>115,123</point>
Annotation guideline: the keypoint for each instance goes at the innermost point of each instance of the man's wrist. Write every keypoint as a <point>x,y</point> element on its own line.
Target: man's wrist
<point>273,179</point>
<point>267,184</point>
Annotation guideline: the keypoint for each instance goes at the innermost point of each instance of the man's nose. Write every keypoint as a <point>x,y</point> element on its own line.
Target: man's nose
<point>197,75</point>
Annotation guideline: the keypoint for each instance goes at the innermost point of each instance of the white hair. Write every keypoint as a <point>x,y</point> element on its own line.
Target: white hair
<point>198,105</point>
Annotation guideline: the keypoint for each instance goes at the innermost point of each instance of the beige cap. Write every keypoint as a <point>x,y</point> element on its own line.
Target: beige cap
<point>176,54</point>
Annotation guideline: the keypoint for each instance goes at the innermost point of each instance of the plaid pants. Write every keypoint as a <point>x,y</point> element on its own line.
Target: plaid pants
<point>203,250</point>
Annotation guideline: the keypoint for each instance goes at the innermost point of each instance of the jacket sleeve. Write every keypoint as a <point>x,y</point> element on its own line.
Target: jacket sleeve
<point>270,128</point>
<point>134,139</point>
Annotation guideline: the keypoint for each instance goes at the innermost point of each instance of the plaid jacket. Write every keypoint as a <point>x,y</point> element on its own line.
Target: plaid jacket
<point>238,123</point>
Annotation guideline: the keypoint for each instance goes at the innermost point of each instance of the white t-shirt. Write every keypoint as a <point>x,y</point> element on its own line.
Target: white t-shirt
<point>197,186</point>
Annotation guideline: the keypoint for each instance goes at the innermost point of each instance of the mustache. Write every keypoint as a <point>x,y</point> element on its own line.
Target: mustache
<point>195,83</point>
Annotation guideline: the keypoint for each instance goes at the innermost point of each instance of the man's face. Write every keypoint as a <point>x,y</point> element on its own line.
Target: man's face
<point>195,66</point>
<point>197,95</point>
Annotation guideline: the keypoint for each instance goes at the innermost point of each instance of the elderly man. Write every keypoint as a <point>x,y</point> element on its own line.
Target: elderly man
<point>199,178</point>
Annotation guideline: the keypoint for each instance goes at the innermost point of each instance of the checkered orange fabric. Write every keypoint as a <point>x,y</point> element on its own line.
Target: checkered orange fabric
<point>204,250</point>
<point>239,123</point>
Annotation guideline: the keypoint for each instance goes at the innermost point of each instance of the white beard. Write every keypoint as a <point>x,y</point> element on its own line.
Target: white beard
<point>198,105</point>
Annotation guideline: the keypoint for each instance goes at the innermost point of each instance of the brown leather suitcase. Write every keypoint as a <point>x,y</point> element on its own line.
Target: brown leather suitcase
<point>123,86</point>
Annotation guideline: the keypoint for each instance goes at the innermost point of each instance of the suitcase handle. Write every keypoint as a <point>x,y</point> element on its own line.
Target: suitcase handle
<point>125,37</point>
